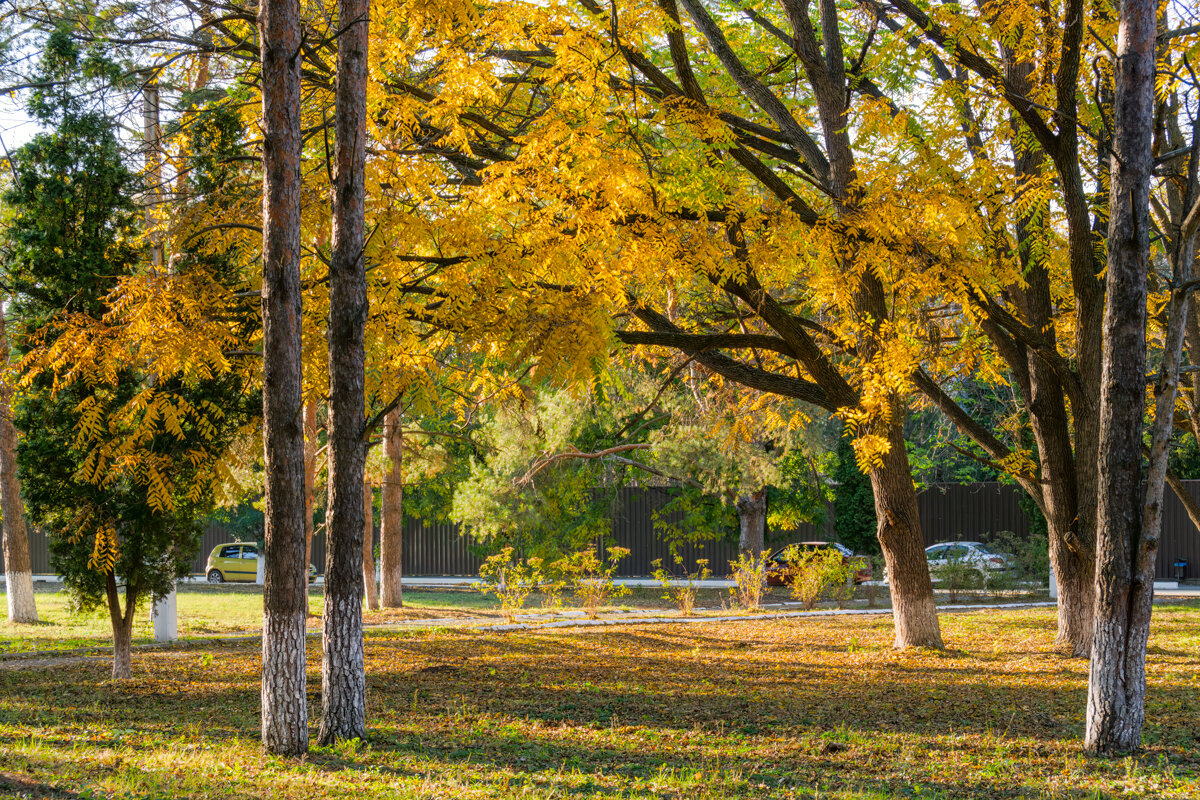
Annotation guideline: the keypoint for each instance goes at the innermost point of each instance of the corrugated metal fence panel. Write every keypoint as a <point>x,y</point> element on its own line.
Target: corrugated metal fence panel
<point>948,511</point>
<point>1179,539</point>
<point>970,512</point>
<point>437,548</point>
<point>633,513</point>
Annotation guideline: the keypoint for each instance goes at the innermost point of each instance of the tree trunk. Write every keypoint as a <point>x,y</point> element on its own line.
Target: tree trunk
<point>18,574</point>
<point>1076,576</point>
<point>122,626</point>
<point>285,590</point>
<point>310,478</point>
<point>368,547</point>
<point>391,529</point>
<point>752,521</point>
<point>1125,554</point>
<point>152,142</point>
<point>913,609</point>
<point>343,680</point>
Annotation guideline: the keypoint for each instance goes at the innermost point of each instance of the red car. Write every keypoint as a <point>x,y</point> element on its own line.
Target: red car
<point>777,566</point>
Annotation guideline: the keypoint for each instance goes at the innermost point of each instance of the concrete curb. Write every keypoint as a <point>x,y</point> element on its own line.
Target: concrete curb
<point>588,623</point>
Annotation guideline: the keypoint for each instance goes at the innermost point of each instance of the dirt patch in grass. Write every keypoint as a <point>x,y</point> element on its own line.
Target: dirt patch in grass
<point>792,708</point>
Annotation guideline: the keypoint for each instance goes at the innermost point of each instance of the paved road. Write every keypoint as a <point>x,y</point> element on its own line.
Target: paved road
<point>1161,589</point>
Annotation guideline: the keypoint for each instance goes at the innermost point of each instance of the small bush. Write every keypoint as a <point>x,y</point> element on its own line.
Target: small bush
<point>999,582</point>
<point>750,574</point>
<point>591,577</point>
<point>956,576</point>
<point>872,589</point>
<point>511,581</point>
<point>682,590</point>
<point>815,572</point>
<point>1032,555</point>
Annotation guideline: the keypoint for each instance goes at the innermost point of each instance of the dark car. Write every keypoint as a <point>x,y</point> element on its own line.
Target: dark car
<point>777,565</point>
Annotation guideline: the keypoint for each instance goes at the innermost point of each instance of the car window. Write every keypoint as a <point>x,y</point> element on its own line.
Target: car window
<point>956,552</point>
<point>936,552</point>
<point>250,551</point>
<point>229,552</point>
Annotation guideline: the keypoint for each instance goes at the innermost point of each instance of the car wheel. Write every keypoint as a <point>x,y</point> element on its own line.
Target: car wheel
<point>215,576</point>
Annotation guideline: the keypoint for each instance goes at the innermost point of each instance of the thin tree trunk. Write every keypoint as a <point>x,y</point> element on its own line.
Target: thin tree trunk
<point>1125,553</point>
<point>152,142</point>
<point>18,573</point>
<point>285,590</point>
<point>343,680</point>
<point>122,626</point>
<point>391,529</point>
<point>310,478</point>
<point>752,522</point>
<point>914,612</point>
<point>368,547</point>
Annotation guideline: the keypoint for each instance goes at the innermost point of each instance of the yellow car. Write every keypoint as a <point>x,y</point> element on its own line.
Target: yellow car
<point>238,562</point>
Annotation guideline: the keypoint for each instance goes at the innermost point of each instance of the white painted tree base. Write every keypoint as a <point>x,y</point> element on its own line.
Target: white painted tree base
<point>164,615</point>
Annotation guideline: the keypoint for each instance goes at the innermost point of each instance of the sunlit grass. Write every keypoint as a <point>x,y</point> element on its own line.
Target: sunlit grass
<point>813,708</point>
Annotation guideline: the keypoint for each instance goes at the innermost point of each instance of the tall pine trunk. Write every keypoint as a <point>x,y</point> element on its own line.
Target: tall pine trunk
<point>368,547</point>
<point>1125,554</point>
<point>18,573</point>
<point>391,528</point>
<point>285,590</point>
<point>913,609</point>
<point>343,680</point>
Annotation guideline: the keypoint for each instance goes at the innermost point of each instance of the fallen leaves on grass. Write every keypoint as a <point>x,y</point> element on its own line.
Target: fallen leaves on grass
<point>795,708</point>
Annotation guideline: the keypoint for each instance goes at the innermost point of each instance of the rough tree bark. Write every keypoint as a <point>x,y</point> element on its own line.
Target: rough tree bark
<point>913,610</point>
<point>1069,495</point>
<point>122,626</point>
<point>18,572</point>
<point>823,59</point>
<point>1071,538</point>
<point>368,547</point>
<point>285,590</point>
<point>391,529</point>
<point>343,680</point>
<point>1125,554</point>
<point>752,522</point>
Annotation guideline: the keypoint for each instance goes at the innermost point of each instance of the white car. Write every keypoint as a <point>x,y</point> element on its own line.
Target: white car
<point>974,554</point>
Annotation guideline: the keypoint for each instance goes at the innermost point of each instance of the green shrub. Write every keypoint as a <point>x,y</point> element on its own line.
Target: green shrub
<point>813,573</point>
<point>511,581</point>
<point>1032,554</point>
<point>956,576</point>
<point>750,574</point>
<point>682,590</point>
<point>591,577</point>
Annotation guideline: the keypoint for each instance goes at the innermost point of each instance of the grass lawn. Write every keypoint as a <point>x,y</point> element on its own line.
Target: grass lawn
<point>790,708</point>
<point>205,611</point>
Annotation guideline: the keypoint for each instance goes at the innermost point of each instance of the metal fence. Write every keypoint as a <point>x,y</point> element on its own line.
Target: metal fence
<point>969,512</point>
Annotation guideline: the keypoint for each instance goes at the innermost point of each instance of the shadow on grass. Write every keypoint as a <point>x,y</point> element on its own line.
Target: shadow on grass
<point>610,711</point>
